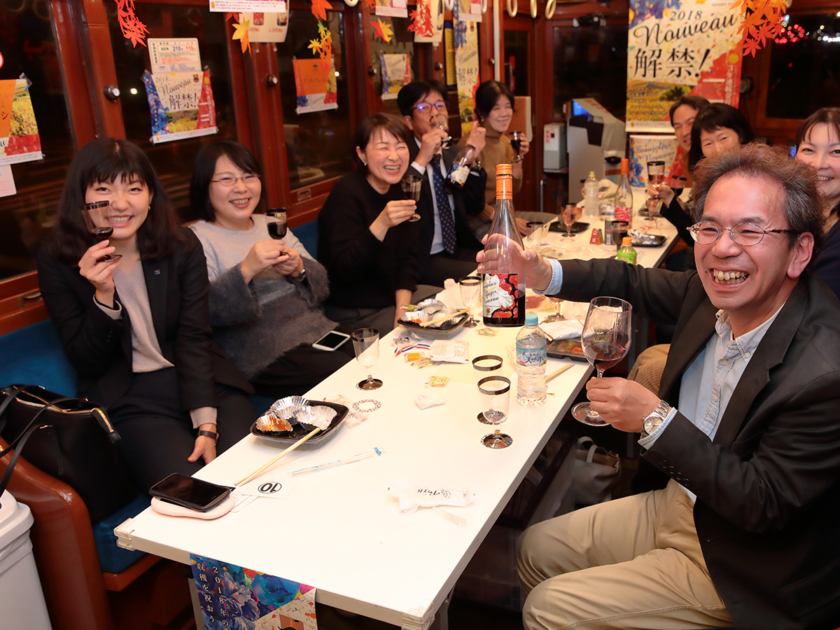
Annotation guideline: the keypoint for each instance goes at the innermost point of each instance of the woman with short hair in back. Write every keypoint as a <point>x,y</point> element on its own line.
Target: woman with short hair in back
<point>132,314</point>
<point>365,238</point>
<point>265,294</point>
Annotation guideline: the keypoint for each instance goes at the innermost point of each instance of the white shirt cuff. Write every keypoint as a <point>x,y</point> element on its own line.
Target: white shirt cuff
<point>203,415</point>
<point>647,442</point>
<point>556,283</point>
<point>113,313</point>
<point>418,168</point>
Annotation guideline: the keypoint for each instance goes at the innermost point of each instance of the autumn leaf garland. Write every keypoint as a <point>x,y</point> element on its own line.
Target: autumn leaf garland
<point>132,28</point>
<point>762,21</point>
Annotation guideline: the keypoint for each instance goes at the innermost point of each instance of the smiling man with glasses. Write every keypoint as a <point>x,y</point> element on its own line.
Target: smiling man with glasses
<point>737,518</point>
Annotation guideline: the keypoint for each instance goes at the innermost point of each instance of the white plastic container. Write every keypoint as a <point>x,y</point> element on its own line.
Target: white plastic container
<point>21,598</point>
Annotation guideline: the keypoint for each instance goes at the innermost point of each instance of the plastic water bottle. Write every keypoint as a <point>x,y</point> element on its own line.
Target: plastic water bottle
<point>530,364</point>
<point>590,195</point>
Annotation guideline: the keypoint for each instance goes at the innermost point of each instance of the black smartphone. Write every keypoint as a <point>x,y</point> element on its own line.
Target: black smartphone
<point>331,341</point>
<point>189,492</point>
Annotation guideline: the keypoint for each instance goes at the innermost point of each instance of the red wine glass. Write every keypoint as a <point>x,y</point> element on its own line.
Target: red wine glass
<point>98,220</point>
<point>411,186</point>
<point>516,138</point>
<point>605,340</point>
<point>275,221</point>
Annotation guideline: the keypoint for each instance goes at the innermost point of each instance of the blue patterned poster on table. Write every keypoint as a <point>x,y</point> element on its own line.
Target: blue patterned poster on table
<point>236,598</point>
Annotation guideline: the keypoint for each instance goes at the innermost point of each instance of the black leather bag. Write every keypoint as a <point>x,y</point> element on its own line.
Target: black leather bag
<point>70,439</point>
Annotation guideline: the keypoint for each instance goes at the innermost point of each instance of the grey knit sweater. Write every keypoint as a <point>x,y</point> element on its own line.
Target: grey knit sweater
<point>254,324</point>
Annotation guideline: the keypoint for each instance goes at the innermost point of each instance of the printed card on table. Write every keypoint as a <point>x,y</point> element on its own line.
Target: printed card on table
<point>235,597</point>
<point>174,55</point>
<point>392,8</point>
<point>19,139</point>
<point>316,86</point>
<point>181,104</point>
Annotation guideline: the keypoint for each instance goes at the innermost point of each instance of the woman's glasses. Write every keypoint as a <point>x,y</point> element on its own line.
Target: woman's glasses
<point>228,182</point>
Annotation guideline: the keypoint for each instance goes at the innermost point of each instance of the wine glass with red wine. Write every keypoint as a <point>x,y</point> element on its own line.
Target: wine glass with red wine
<point>605,340</point>
<point>275,221</point>
<point>516,138</point>
<point>98,220</point>
<point>411,186</point>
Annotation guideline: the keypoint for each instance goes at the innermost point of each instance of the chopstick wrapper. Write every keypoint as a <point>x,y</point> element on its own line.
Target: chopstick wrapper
<point>411,497</point>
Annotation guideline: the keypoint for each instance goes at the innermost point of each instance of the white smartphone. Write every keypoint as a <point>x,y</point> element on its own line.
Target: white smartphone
<point>331,341</point>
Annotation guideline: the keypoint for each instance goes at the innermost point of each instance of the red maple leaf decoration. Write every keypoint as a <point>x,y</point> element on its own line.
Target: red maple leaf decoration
<point>750,46</point>
<point>230,16</point>
<point>371,4</point>
<point>377,30</point>
<point>132,28</point>
<point>319,9</point>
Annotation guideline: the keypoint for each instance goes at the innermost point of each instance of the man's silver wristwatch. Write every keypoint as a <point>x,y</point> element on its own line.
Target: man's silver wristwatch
<point>653,421</point>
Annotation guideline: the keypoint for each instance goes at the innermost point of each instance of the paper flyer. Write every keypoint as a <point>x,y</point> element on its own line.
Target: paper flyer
<point>646,148</point>
<point>466,68</point>
<point>316,86</point>
<point>19,139</point>
<point>469,10</point>
<point>676,48</point>
<point>396,72</point>
<point>7,181</point>
<point>392,8</point>
<point>174,55</point>
<point>234,597</point>
<point>248,6</point>
<point>181,105</point>
<point>428,21</point>
<point>266,27</point>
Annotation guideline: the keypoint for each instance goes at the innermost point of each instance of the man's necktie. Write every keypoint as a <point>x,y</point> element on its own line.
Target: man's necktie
<point>447,220</point>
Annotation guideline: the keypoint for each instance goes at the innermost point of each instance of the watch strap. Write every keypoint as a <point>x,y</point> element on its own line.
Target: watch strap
<point>210,434</point>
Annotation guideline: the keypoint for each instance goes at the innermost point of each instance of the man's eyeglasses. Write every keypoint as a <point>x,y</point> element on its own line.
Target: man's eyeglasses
<point>227,182</point>
<point>427,108</point>
<point>746,234</point>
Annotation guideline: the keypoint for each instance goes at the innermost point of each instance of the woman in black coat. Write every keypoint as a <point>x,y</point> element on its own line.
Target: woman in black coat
<point>136,329</point>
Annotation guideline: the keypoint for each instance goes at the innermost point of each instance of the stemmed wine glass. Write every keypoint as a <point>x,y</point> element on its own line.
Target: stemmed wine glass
<point>366,346</point>
<point>439,121</point>
<point>411,186</point>
<point>275,221</point>
<point>494,392</point>
<point>656,177</point>
<point>555,316</point>
<point>605,340</point>
<point>98,220</point>
<point>470,288</point>
<point>516,138</point>
<point>571,213</point>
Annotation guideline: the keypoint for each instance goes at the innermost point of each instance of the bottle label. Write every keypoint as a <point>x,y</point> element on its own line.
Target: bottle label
<point>622,214</point>
<point>459,174</point>
<point>530,357</point>
<point>627,254</point>
<point>500,292</point>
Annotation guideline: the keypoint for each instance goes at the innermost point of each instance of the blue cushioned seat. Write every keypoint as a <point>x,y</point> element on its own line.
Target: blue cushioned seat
<point>307,234</point>
<point>114,559</point>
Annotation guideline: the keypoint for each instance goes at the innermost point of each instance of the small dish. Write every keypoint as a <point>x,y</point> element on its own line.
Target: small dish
<point>299,431</point>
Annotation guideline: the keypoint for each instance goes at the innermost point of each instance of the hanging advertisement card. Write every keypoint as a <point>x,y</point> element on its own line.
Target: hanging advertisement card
<point>644,149</point>
<point>248,6</point>
<point>235,597</point>
<point>392,8</point>
<point>316,86</point>
<point>181,104</point>
<point>7,181</point>
<point>396,72</point>
<point>266,27</point>
<point>469,10</point>
<point>19,139</point>
<point>427,21</point>
<point>174,55</point>
<point>466,68</point>
<point>676,48</point>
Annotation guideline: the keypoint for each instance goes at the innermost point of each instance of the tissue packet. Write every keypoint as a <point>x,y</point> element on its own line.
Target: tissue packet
<point>450,351</point>
<point>411,497</point>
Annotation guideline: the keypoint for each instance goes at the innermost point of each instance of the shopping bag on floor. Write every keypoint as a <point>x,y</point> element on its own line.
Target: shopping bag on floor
<point>596,472</point>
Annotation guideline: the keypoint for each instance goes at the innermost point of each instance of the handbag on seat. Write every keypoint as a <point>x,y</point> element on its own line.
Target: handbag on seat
<point>596,472</point>
<point>70,439</point>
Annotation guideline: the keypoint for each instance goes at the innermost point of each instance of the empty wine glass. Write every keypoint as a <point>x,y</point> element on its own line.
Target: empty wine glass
<point>555,316</point>
<point>494,392</point>
<point>656,177</point>
<point>275,221</point>
<point>366,346</point>
<point>440,121</point>
<point>484,366</point>
<point>98,220</point>
<point>470,290</point>
<point>516,138</point>
<point>571,213</point>
<point>605,340</point>
<point>411,186</point>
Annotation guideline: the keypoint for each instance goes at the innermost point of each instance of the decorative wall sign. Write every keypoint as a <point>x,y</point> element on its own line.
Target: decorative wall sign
<point>248,6</point>
<point>466,68</point>
<point>427,21</point>
<point>174,55</point>
<point>19,139</point>
<point>676,48</point>
<point>266,27</point>
<point>392,8</point>
<point>235,597</point>
<point>315,84</point>
<point>181,104</point>
<point>396,72</point>
<point>132,28</point>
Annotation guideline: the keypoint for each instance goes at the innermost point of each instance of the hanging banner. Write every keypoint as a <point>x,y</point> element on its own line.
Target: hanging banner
<point>316,86</point>
<point>396,72</point>
<point>19,139</point>
<point>690,47</point>
<point>174,55</point>
<point>469,10</point>
<point>248,6</point>
<point>181,104</point>
<point>644,149</point>
<point>466,68</point>
<point>235,597</point>
<point>427,21</point>
<point>266,27</point>
<point>392,8</point>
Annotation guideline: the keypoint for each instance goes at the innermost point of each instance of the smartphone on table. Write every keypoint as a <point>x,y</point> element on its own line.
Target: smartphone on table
<point>189,492</point>
<point>331,341</point>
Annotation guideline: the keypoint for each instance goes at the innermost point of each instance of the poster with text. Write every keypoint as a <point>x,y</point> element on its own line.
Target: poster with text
<point>429,21</point>
<point>234,597</point>
<point>19,139</point>
<point>644,149</point>
<point>466,68</point>
<point>469,10</point>
<point>7,181</point>
<point>181,104</point>
<point>174,55</point>
<point>317,89</point>
<point>676,48</point>
<point>248,6</point>
<point>396,72</point>
<point>266,27</point>
<point>392,8</point>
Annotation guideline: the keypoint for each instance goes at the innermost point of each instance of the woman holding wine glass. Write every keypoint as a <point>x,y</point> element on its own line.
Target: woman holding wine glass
<point>366,238</point>
<point>265,292</point>
<point>135,327</point>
